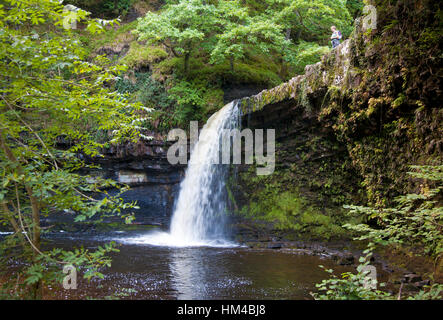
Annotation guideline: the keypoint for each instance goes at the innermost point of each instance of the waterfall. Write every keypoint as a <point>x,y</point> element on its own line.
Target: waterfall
<point>200,211</point>
<point>201,207</point>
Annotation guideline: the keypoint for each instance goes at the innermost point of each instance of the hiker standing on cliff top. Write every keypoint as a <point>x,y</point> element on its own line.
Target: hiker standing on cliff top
<point>336,37</point>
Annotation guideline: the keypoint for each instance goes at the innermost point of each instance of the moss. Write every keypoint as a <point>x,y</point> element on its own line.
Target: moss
<point>140,55</point>
<point>112,37</point>
<point>399,101</point>
<point>256,74</point>
<point>221,74</point>
<point>303,99</point>
<point>279,200</point>
<point>166,68</point>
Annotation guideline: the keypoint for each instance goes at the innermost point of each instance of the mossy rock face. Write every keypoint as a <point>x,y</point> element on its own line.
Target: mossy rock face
<point>379,92</point>
<point>349,128</point>
<point>291,204</point>
<point>332,70</point>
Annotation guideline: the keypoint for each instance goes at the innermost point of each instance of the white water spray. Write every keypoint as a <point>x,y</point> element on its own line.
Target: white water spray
<point>200,211</point>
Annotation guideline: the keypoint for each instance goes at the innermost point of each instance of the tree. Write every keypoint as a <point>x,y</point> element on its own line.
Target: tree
<point>48,94</point>
<point>256,33</point>
<point>310,18</point>
<point>180,27</point>
<point>308,24</point>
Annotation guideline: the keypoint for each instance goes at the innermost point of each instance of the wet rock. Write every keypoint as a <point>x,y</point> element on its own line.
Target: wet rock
<point>345,259</point>
<point>411,278</point>
<point>136,165</point>
<point>131,178</point>
<point>159,150</point>
<point>254,245</point>
<point>264,239</point>
<point>275,245</point>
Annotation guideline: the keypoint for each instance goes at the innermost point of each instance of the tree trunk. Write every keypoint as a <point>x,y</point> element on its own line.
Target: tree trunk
<point>288,34</point>
<point>36,289</point>
<point>231,63</point>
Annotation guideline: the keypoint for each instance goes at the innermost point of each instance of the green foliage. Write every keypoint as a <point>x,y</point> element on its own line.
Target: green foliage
<point>227,30</point>
<point>351,286</point>
<point>117,7</point>
<point>311,19</point>
<point>225,42</point>
<point>182,102</point>
<point>180,27</point>
<point>355,7</point>
<point>189,99</point>
<point>434,292</point>
<point>416,221</point>
<point>260,72</point>
<point>49,95</point>
<point>112,37</point>
<point>224,30</point>
<point>144,89</point>
<point>361,287</point>
<point>242,32</point>
<point>305,53</point>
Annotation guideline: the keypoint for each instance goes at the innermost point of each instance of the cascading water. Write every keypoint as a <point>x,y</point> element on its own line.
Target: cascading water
<point>200,211</point>
<point>201,207</point>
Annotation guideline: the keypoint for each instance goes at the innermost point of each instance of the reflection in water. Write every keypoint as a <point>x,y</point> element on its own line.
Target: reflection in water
<point>209,273</point>
<point>189,274</point>
<point>206,273</point>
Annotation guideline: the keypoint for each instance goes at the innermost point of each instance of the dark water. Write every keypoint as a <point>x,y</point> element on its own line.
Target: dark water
<point>201,272</point>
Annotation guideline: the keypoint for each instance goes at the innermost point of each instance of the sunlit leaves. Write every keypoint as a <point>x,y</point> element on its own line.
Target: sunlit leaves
<point>56,110</point>
<point>179,26</point>
<point>257,33</point>
<point>313,17</point>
